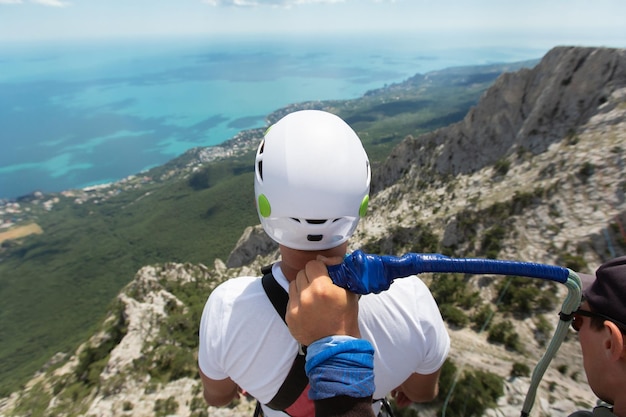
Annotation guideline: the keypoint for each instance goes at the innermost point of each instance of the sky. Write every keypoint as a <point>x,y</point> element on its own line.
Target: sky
<point>552,22</point>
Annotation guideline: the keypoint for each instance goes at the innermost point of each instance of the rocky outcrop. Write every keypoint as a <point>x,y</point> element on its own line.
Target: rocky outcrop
<point>252,243</point>
<point>524,111</point>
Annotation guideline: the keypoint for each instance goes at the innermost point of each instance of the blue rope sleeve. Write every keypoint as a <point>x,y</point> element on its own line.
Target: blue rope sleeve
<point>365,273</point>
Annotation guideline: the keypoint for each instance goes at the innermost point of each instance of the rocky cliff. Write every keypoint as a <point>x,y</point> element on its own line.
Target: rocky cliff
<point>533,173</point>
<point>523,112</point>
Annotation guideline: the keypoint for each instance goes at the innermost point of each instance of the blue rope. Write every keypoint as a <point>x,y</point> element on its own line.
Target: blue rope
<point>364,274</point>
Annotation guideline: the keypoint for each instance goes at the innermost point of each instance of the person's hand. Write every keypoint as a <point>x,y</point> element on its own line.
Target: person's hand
<point>318,308</point>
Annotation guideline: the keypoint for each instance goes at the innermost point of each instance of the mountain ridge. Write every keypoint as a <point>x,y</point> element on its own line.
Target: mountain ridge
<point>511,113</point>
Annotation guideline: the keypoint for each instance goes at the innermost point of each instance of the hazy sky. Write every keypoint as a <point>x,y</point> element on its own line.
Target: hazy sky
<point>583,22</point>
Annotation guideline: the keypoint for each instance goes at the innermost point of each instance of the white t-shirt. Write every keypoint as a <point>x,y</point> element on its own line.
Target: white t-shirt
<point>242,336</point>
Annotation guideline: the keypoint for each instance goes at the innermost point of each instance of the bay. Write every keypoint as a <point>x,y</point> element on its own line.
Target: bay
<point>80,113</point>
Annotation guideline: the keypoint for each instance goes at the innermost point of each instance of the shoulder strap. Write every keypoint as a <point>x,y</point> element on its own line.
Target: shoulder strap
<point>296,380</point>
<point>277,294</point>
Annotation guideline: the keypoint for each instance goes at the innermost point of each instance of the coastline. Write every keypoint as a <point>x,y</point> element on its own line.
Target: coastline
<point>24,208</point>
<point>102,117</point>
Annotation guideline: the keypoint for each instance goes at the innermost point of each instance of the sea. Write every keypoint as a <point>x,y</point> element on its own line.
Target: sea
<point>77,113</point>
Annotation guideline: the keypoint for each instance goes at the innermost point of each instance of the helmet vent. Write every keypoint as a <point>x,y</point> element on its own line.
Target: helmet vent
<point>259,165</point>
<point>316,221</point>
<point>314,238</point>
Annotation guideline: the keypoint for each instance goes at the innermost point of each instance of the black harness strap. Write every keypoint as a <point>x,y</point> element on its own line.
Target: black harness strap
<point>277,294</point>
<point>296,380</point>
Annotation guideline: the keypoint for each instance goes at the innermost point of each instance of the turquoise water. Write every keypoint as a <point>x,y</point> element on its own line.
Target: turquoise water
<point>76,114</point>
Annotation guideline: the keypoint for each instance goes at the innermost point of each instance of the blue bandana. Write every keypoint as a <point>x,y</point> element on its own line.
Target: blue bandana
<point>340,365</point>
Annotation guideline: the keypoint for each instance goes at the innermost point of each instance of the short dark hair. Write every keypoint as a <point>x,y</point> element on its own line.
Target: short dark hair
<point>605,293</point>
<point>597,322</point>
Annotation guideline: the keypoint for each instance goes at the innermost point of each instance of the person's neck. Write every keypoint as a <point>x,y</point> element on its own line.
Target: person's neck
<point>294,260</point>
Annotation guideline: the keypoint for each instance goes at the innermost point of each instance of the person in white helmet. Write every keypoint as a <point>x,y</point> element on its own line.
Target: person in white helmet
<point>312,179</point>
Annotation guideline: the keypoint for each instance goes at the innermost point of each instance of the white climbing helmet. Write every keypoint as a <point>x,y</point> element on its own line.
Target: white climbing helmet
<point>312,179</point>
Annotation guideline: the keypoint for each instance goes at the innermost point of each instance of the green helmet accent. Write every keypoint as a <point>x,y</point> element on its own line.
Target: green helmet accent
<point>264,206</point>
<point>363,208</point>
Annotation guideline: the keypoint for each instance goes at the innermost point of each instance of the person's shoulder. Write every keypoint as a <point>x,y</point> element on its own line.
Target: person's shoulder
<point>234,291</point>
<point>235,285</point>
<point>243,280</point>
<point>411,284</point>
<point>406,291</point>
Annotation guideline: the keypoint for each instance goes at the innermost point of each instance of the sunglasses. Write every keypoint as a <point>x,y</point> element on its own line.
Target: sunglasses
<point>577,320</point>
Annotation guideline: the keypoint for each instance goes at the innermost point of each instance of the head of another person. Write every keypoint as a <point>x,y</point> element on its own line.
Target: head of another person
<point>601,325</point>
<point>312,179</point>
